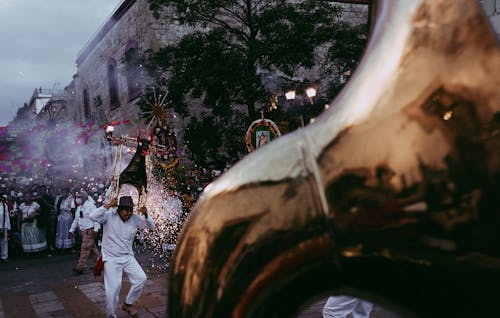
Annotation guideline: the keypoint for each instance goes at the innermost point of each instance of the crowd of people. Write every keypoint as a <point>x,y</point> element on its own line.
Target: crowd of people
<point>71,217</point>
<point>38,218</point>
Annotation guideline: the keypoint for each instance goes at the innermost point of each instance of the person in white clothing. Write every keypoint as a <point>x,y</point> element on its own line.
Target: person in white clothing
<point>32,238</point>
<point>342,306</point>
<point>64,206</point>
<point>88,229</point>
<point>4,230</point>
<point>119,229</point>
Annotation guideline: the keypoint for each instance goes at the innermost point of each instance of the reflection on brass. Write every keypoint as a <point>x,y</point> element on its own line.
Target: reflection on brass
<point>392,194</point>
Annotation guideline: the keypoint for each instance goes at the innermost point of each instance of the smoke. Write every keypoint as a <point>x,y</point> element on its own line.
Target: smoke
<point>51,154</point>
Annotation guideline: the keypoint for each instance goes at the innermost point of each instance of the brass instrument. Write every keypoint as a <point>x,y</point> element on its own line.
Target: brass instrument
<point>391,195</point>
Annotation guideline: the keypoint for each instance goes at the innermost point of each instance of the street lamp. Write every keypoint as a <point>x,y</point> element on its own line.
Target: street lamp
<point>311,92</point>
<point>290,95</point>
<point>109,131</point>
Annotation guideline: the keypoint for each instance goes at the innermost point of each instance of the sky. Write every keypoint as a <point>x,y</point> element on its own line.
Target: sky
<point>40,42</point>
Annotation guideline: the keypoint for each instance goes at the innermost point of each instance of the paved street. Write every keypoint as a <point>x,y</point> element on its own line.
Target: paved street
<point>45,286</point>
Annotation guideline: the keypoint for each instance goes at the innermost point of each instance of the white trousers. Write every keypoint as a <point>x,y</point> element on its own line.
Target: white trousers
<point>4,245</point>
<point>113,282</point>
<point>342,306</point>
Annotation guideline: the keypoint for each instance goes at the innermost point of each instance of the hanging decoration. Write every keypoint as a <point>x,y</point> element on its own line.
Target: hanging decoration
<point>155,113</point>
<point>260,132</point>
<point>155,147</point>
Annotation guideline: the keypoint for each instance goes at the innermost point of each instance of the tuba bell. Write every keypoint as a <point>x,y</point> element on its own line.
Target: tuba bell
<point>391,195</point>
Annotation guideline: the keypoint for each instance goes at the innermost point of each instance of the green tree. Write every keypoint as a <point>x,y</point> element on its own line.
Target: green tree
<point>238,46</point>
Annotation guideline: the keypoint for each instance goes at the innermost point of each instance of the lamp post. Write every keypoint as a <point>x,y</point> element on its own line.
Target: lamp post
<point>109,131</point>
<point>310,93</point>
<point>290,95</point>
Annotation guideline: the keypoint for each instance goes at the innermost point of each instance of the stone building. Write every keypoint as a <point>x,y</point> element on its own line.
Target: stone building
<point>109,82</point>
<point>110,79</point>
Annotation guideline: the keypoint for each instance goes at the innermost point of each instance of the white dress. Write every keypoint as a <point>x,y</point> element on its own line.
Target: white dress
<point>32,238</point>
<point>64,221</point>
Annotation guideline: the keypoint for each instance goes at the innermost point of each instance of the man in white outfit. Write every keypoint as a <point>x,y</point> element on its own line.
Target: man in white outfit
<point>88,229</point>
<point>4,230</point>
<point>341,306</point>
<point>119,228</point>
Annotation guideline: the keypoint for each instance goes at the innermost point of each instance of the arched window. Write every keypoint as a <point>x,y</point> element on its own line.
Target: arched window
<point>86,104</point>
<point>113,85</point>
<point>133,69</point>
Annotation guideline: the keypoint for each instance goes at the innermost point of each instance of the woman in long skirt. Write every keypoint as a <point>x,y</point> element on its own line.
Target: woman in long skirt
<point>32,238</point>
<point>64,220</point>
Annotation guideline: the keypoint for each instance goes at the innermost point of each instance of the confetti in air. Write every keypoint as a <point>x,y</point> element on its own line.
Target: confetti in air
<point>166,208</point>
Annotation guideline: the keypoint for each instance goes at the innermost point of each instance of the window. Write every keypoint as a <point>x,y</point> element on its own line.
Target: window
<point>113,85</point>
<point>133,69</point>
<point>86,105</point>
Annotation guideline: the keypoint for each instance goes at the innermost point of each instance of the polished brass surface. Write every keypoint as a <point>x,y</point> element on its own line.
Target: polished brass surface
<point>392,194</point>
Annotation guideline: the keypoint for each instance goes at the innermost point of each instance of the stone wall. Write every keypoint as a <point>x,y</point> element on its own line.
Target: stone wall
<point>134,23</point>
<point>354,13</point>
<point>137,24</point>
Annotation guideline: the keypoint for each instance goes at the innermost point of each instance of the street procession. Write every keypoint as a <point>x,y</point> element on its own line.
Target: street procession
<point>250,159</point>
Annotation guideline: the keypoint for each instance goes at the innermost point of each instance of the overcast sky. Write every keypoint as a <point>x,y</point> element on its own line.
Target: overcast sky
<point>40,42</point>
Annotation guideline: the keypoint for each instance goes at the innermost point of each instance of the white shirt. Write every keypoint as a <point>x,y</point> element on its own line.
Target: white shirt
<point>118,236</point>
<point>4,215</point>
<point>85,222</point>
<point>29,211</point>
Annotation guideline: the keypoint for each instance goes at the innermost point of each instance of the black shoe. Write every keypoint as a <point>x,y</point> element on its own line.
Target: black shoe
<point>78,271</point>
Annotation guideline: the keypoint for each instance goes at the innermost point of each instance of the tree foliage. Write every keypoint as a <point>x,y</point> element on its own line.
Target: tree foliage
<point>236,45</point>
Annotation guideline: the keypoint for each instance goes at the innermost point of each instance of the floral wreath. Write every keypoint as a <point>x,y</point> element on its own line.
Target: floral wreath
<point>264,128</point>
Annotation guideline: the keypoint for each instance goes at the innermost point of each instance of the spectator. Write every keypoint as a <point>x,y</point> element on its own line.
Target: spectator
<point>88,230</point>
<point>46,202</point>
<point>4,229</point>
<point>342,306</point>
<point>64,205</point>
<point>32,238</point>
